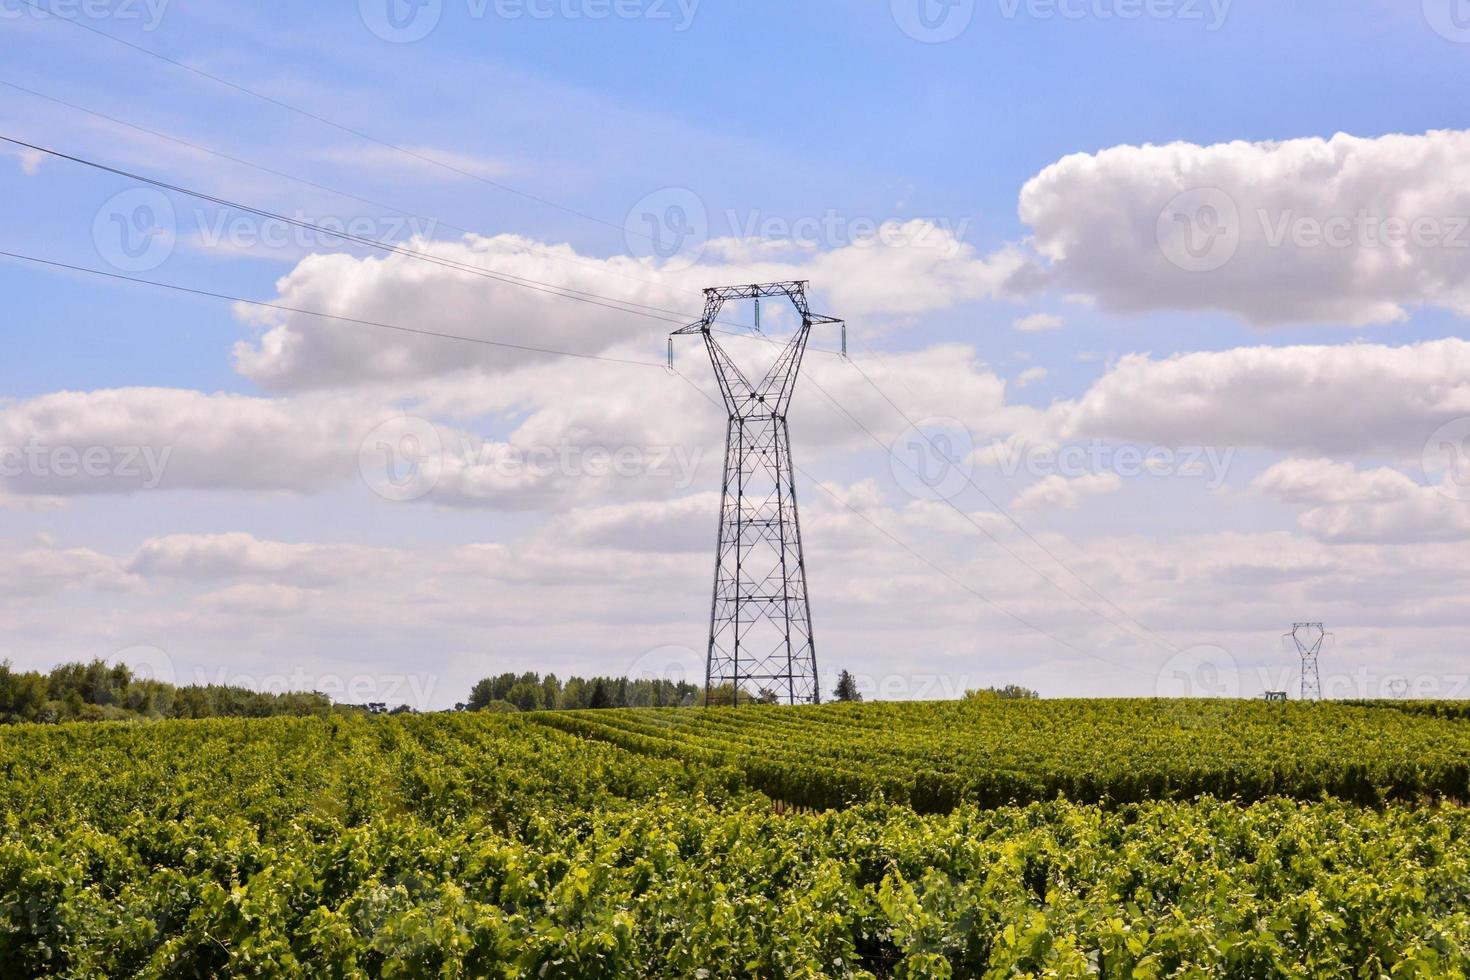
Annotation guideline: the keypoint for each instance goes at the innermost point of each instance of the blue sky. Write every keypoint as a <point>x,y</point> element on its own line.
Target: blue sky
<point>835,109</point>
<point>765,116</point>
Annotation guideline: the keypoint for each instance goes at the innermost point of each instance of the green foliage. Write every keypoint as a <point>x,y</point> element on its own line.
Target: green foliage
<point>481,695</point>
<point>580,692</point>
<point>846,689</point>
<point>99,691</point>
<point>994,751</point>
<point>1011,692</point>
<point>723,696</point>
<point>497,845</point>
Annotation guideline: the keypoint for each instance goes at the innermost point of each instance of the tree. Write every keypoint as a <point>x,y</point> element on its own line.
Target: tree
<point>481,695</point>
<point>500,686</point>
<point>525,695</point>
<point>599,697</point>
<point>1011,692</point>
<point>574,694</point>
<point>22,695</point>
<point>723,695</point>
<point>847,689</point>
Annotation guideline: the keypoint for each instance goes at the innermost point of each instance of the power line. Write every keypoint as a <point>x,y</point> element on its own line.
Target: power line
<point>669,316</point>
<point>1012,520</point>
<point>595,299</point>
<point>442,335</point>
<point>969,518</point>
<point>543,252</point>
<point>566,292</point>
<point>969,478</point>
<point>920,556</point>
<point>421,157</point>
<point>614,303</point>
<point>210,294</point>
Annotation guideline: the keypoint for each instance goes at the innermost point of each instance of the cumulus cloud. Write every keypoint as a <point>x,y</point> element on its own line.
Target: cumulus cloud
<point>917,267</point>
<point>48,569</point>
<point>1057,492</point>
<point>238,555</point>
<point>1037,322</point>
<point>1348,400</point>
<point>1341,230</point>
<point>543,436</point>
<point>126,440</point>
<point>1344,504</point>
<point>1030,376</point>
<point>607,581</point>
<point>257,600</point>
<point>680,525</point>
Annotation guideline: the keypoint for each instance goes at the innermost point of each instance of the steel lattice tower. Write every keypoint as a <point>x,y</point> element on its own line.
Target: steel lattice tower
<point>760,634</point>
<point>1308,638</point>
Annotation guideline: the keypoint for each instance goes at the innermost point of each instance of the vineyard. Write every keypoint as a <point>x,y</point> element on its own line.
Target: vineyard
<point>1122,839</point>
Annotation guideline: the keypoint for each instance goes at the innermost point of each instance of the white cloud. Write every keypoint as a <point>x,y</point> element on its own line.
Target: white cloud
<point>601,589</point>
<point>1037,322</point>
<point>543,436</point>
<point>916,268</point>
<point>125,440</point>
<point>681,525</point>
<point>237,555</point>
<point>47,569</point>
<point>1344,504</point>
<point>1353,400</point>
<point>1060,493</point>
<point>1250,208</point>
<point>257,600</point>
<point>1030,376</point>
<point>30,161</point>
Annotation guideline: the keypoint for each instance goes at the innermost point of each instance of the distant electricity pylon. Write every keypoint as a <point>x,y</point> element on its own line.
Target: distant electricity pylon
<point>760,634</point>
<point>1308,638</point>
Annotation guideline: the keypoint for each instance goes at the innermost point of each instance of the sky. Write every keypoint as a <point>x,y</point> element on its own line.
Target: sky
<point>1154,309</point>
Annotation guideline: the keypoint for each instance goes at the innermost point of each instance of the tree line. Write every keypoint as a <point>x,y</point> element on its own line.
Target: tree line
<point>533,692</point>
<point>99,691</point>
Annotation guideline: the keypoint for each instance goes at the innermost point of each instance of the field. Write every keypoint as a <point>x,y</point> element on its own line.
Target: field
<point>1048,838</point>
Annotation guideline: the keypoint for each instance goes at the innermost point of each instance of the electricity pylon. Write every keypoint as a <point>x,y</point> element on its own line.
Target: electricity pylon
<point>760,634</point>
<point>1308,638</point>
